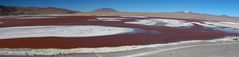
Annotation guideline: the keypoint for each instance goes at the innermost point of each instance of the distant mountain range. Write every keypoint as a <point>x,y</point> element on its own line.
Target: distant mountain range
<point>105,10</point>
<point>14,10</point>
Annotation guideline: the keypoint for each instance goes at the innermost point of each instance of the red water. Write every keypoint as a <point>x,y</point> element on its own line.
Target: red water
<point>165,35</point>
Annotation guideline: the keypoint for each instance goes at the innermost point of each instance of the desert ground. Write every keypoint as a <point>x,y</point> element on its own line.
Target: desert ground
<point>125,34</point>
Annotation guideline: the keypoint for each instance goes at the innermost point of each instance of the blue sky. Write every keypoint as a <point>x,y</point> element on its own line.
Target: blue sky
<point>217,7</point>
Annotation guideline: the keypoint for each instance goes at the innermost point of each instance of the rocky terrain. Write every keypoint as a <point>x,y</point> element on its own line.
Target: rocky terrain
<point>14,10</point>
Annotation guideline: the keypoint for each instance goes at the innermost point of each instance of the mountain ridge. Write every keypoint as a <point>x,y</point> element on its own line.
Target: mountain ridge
<point>105,10</point>
<point>15,10</point>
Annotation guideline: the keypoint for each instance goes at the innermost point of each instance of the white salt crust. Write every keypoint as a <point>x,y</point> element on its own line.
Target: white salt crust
<point>61,31</point>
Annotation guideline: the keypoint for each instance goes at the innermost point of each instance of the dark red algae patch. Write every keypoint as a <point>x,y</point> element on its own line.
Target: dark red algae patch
<point>105,41</point>
<point>60,20</point>
<point>165,35</point>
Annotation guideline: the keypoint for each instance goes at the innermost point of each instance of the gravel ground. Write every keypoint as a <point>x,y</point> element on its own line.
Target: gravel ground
<point>201,49</point>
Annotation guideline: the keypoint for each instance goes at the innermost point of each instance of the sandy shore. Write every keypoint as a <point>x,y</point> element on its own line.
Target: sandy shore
<point>210,48</point>
<point>189,50</point>
<point>217,50</point>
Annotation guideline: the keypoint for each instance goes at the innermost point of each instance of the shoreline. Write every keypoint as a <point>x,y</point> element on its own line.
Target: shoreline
<point>50,51</point>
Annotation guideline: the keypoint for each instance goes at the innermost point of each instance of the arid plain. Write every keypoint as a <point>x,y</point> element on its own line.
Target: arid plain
<point>119,34</point>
